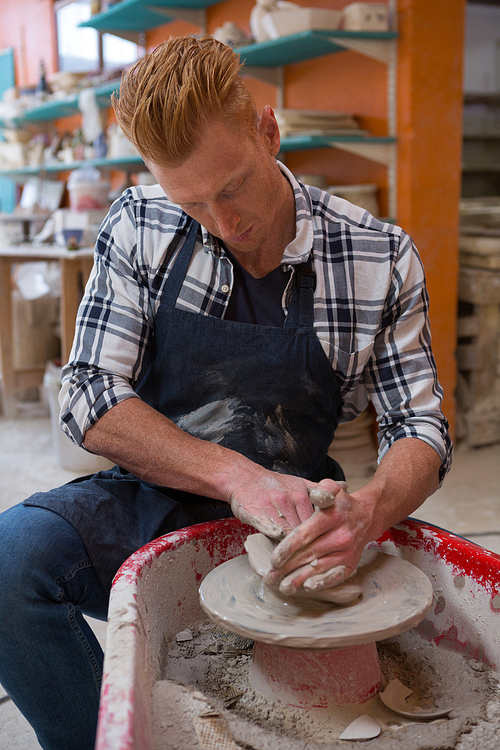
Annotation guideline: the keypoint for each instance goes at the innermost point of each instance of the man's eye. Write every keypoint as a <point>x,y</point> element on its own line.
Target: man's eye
<point>231,193</point>
<point>234,189</point>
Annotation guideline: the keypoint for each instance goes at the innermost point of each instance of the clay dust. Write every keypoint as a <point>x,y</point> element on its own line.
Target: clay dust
<point>207,676</point>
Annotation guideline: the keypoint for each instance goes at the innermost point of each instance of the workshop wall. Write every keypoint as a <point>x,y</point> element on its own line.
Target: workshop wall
<point>28,27</point>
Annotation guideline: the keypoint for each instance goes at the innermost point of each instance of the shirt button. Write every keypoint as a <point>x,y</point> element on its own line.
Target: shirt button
<point>224,288</point>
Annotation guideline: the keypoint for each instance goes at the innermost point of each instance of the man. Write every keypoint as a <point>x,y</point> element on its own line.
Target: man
<point>233,316</point>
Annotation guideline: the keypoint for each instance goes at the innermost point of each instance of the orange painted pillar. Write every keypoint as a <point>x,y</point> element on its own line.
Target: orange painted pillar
<point>429,115</point>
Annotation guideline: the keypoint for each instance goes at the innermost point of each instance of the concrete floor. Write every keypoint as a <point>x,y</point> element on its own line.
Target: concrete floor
<point>468,504</point>
<point>28,464</point>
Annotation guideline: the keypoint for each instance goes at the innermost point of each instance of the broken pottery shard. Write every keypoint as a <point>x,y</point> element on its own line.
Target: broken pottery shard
<point>362,728</point>
<point>394,697</point>
<point>260,548</point>
<point>183,636</point>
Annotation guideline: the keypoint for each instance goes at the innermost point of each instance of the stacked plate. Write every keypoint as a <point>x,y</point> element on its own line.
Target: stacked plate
<point>313,122</point>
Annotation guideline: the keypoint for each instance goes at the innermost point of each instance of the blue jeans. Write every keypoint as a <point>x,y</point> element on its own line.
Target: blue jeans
<point>50,660</point>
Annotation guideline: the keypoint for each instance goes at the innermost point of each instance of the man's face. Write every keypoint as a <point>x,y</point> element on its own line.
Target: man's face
<point>231,184</point>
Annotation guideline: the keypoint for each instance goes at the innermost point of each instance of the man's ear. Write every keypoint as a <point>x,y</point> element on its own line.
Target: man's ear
<point>269,131</point>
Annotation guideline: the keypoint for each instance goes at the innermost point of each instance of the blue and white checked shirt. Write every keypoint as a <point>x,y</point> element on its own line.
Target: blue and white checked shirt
<point>370,309</point>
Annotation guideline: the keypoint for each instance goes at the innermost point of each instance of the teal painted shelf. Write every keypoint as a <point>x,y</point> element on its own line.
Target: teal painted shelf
<point>293,143</point>
<point>129,163</point>
<point>57,108</point>
<point>306,142</point>
<point>305,46</point>
<point>134,15</point>
<point>140,15</point>
<point>282,51</point>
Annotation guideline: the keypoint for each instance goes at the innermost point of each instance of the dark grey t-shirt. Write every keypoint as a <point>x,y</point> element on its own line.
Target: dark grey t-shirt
<point>257,301</point>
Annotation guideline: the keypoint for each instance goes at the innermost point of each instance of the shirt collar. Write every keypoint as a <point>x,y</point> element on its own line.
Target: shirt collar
<point>299,249</point>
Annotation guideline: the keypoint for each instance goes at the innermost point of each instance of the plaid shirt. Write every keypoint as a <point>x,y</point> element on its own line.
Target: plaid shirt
<point>370,309</point>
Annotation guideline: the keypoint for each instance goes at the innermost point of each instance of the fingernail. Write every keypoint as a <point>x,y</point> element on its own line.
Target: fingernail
<point>321,498</point>
<point>311,584</point>
<point>287,587</point>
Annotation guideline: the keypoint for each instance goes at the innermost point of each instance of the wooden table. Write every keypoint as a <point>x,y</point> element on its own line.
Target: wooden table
<point>75,268</point>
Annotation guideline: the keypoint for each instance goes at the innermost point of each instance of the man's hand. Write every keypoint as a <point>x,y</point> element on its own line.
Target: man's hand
<point>325,549</point>
<point>272,503</point>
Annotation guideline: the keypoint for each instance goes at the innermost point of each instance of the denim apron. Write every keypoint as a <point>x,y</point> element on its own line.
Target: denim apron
<point>269,393</point>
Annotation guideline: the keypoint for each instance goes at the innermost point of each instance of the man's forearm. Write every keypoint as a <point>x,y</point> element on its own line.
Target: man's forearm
<point>152,447</point>
<point>137,437</point>
<point>406,476</point>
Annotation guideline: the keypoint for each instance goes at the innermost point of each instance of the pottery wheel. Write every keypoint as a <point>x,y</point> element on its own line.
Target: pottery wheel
<point>395,596</point>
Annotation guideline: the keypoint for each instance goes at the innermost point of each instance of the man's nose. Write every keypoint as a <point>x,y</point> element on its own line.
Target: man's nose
<point>227,220</point>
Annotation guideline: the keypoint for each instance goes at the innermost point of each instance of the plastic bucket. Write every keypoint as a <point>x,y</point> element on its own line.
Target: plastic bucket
<point>69,456</point>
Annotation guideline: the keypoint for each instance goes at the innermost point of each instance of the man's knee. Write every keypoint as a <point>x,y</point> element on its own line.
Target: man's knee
<point>36,547</point>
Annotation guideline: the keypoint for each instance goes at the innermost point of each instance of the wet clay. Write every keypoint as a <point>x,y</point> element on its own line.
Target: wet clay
<point>260,548</point>
<point>395,596</point>
<point>210,674</point>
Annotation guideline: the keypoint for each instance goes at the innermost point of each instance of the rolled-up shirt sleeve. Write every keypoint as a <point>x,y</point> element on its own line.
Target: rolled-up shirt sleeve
<point>112,329</point>
<point>401,376</point>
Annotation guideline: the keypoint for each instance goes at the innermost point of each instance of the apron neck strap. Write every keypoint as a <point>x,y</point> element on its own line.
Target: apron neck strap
<point>301,307</point>
<point>180,267</point>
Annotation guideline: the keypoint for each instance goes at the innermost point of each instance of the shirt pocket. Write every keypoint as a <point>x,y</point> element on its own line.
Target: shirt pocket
<point>350,367</point>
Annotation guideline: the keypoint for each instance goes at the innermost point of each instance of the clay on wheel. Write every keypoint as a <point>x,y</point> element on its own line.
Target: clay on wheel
<point>260,548</point>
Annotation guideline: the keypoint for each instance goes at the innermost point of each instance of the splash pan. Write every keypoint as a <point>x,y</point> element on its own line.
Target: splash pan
<point>155,596</point>
<point>396,596</point>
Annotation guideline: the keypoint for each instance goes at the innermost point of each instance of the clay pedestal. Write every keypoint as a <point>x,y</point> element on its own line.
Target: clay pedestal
<point>316,679</point>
